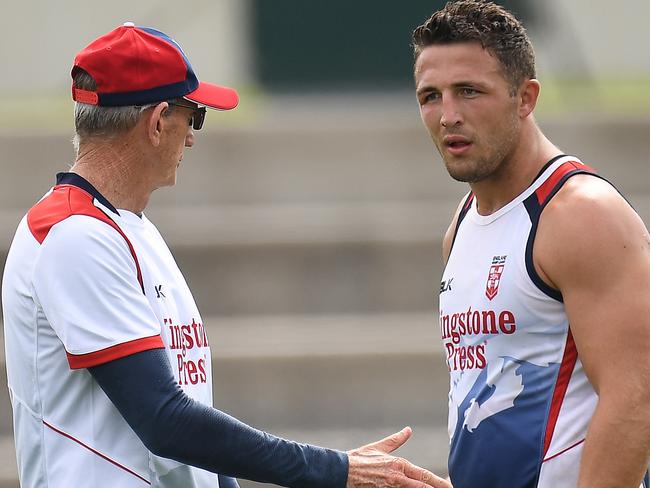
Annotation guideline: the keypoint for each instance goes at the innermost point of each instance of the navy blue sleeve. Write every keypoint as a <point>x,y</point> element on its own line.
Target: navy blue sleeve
<point>173,425</point>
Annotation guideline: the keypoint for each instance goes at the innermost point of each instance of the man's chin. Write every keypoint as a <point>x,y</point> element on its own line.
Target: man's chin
<point>464,175</point>
<point>165,184</point>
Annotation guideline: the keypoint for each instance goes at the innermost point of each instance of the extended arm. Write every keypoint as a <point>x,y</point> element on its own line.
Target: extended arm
<point>143,389</point>
<point>596,251</point>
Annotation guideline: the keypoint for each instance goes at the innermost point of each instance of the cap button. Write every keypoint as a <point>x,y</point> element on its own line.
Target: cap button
<point>128,24</point>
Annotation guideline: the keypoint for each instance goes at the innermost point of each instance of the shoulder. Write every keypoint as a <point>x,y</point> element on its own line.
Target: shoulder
<point>85,243</point>
<point>60,204</point>
<point>587,205</point>
<point>83,230</point>
<point>584,226</point>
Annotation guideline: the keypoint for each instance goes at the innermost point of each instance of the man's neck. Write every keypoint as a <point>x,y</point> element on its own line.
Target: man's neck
<point>117,170</point>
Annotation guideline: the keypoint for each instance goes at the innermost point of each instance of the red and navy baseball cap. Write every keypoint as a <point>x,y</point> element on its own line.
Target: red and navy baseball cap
<point>138,66</point>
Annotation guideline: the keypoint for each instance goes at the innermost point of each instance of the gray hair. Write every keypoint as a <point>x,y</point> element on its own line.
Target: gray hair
<point>105,122</point>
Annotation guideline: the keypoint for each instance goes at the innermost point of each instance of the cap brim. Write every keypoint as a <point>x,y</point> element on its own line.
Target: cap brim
<point>214,96</point>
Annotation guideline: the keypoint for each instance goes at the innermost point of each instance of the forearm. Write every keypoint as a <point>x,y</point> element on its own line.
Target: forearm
<point>210,439</point>
<point>143,389</point>
<point>617,448</point>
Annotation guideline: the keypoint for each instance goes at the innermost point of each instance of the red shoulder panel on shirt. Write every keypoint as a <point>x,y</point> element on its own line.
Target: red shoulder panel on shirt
<point>549,185</point>
<point>63,202</point>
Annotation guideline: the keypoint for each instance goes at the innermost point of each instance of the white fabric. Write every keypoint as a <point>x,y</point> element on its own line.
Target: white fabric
<point>505,391</point>
<point>74,294</point>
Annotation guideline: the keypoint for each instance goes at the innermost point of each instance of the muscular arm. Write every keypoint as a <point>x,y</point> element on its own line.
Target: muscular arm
<point>593,248</point>
<point>143,389</point>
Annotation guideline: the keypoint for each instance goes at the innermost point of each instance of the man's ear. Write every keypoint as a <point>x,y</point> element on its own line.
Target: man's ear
<point>528,95</point>
<point>154,123</point>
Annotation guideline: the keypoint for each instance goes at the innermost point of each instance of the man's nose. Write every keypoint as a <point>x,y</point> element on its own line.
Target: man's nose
<point>450,115</point>
<point>189,138</point>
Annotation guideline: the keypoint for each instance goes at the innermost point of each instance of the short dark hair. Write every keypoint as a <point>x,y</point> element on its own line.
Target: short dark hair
<point>496,29</point>
<point>98,121</point>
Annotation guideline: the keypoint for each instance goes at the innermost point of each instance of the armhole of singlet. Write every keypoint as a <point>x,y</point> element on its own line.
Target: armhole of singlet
<point>461,215</point>
<point>534,208</point>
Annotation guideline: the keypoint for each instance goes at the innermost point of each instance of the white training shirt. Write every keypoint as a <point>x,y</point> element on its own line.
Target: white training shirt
<point>519,401</point>
<point>85,284</point>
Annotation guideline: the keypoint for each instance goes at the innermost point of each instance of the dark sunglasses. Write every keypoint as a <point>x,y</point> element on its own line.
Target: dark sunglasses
<point>198,114</point>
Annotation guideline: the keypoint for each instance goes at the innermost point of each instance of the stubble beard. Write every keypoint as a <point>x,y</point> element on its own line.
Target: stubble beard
<point>471,171</point>
<point>474,170</point>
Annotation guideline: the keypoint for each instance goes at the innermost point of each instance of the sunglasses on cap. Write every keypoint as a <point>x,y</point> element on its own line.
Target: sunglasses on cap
<point>198,114</point>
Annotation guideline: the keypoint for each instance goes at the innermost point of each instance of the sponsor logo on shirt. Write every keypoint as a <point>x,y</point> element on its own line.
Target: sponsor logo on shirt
<point>494,276</point>
<point>183,339</point>
<point>472,323</point>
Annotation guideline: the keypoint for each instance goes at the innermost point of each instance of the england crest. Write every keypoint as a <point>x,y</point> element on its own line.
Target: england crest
<point>494,276</point>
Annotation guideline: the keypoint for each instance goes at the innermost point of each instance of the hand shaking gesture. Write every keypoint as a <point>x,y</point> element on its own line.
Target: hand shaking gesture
<point>372,466</point>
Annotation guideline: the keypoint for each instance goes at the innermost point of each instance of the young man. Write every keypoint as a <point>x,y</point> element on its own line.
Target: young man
<point>107,357</point>
<point>545,303</point>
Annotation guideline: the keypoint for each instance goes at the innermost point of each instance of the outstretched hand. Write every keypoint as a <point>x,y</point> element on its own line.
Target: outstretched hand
<point>372,466</point>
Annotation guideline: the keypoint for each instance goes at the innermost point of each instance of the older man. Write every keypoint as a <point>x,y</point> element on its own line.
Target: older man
<point>107,355</point>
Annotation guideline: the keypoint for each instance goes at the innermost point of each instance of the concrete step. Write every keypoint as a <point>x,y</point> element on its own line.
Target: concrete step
<point>8,469</point>
<point>350,278</point>
<point>308,163</point>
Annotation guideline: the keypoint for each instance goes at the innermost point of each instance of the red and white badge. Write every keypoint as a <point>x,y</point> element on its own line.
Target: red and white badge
<point>494,276</point>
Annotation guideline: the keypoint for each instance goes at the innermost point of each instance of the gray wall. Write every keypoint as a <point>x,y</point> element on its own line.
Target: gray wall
<point>39,38</point>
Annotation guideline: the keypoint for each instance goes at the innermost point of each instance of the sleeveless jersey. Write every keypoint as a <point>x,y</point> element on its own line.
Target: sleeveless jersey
<point>519,401</point>
<point>85,284</point>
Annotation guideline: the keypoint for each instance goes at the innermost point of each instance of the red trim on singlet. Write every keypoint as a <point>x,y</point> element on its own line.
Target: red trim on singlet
<point>63,202</point>
<point>563,451</point>
<point>469,201</point>
<point>562,383</point>
<point>549,185</point>
<point>78,361</point>
<point>94,451</point>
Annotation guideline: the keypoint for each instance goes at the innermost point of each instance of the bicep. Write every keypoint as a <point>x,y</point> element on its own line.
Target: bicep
<point>596,250</point>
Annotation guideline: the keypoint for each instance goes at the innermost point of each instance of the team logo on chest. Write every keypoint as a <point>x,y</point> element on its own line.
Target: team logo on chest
<point>494,276</point>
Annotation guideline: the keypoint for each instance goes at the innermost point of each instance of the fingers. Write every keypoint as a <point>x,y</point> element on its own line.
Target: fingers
<point>370,468</point>
<point>425,477</point>
<point>392,442</point>
<point>440,483</point>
